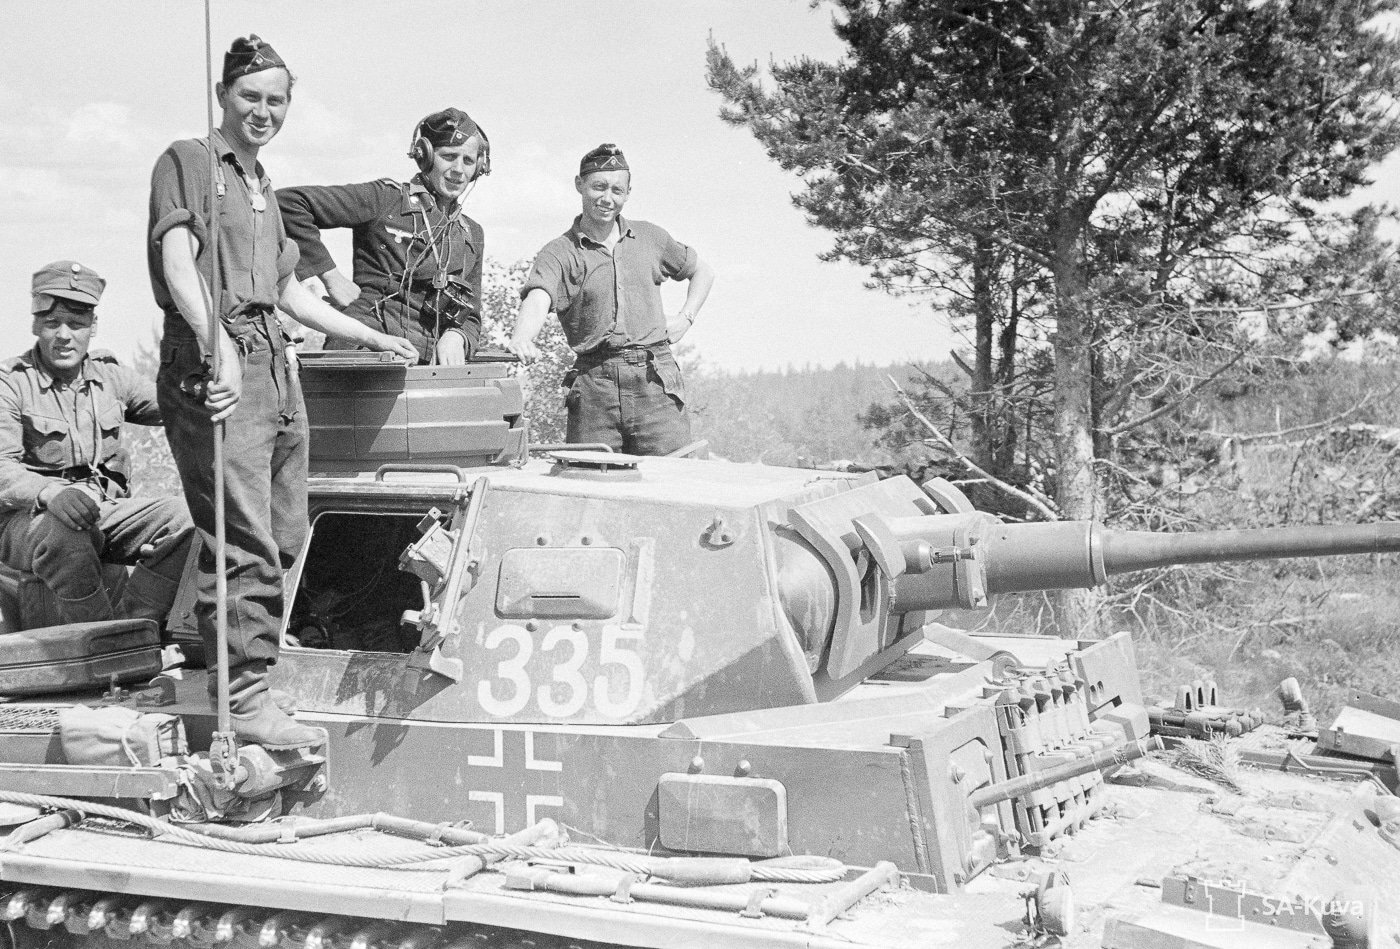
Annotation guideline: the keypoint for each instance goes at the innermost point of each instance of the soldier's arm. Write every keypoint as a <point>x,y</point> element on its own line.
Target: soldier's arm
<point>300,305</point>
<point>191,296</point>
<point>695,293</point>
<point>529,320</point>
<point>19,487</point>
<point>137,395</point>
<point>309,209</point>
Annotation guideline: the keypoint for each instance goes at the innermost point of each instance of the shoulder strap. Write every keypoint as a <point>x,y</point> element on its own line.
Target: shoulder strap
<point>220,183</point>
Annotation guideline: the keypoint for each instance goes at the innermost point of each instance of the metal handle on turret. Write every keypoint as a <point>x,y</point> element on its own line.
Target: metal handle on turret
<point>405,468</point>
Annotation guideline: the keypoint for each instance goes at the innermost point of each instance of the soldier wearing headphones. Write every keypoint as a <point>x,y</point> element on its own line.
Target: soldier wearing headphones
<point>417,256</point>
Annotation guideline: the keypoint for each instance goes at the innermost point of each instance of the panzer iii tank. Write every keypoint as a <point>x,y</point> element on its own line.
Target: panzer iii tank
<point>572,697</point>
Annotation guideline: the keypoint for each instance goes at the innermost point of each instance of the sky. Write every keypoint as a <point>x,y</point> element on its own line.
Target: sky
<point>92,91</point>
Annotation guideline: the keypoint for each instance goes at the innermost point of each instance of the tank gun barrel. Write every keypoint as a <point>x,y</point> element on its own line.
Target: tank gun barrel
<point>958,561</point>
<point>1072,554</point>
<point>1126,551</point>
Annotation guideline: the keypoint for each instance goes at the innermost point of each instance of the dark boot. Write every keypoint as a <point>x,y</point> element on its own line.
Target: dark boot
<point>93,608</point>
<point>147,595</point>
<point>256,717</point>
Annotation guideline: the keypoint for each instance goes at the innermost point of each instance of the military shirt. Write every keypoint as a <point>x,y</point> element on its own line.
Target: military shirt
<point>402,239</point>
<point>610,296</point>
<point>50,429</point>
<point>255,255</point>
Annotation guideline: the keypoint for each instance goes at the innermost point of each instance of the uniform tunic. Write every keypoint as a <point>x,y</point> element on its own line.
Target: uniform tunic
<point>69,432</point>
<point>403,240</point>
<point>265,450</point>
<point>625,388</point>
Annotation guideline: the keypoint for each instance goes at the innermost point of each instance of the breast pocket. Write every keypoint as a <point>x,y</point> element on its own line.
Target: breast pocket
<point>46,441</point>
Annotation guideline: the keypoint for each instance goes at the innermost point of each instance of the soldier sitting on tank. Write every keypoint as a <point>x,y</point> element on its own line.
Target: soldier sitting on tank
<point>603,278</point>
<point>417,254</point>
<point>65,505</point>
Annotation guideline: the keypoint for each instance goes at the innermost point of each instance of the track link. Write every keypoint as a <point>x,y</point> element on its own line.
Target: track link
<point>54,918</point>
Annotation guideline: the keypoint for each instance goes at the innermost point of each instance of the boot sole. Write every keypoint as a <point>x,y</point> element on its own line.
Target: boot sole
<point>321,739</point>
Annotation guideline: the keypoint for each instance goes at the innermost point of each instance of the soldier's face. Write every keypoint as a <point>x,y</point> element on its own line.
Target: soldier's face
<point>454,167</point>
<point>64,333</point>
<point>255,107</point>
<point>604,193</point>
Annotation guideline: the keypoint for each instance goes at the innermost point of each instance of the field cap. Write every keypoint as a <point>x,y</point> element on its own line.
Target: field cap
<point>447,128</point>
<point>67,279</point>
<point>605,157</point>
<point>247,55</point>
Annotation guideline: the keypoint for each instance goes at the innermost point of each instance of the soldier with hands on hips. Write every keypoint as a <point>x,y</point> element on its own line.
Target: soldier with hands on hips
<point>256,392</point>
<point>602,277</point>
<point>417,256</point>
<point>65,502</point>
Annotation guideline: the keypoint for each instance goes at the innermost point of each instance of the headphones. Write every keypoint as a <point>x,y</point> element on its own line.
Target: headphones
<point>421,151</point>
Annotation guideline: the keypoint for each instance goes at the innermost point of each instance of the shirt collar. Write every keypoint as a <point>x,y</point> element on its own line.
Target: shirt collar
<point>47,380</point>
<point>623,228</point>
<point>226,153</point>
<point>416,188</point>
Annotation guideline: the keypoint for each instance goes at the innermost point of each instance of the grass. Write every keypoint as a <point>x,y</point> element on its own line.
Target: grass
<point>1329,623</point>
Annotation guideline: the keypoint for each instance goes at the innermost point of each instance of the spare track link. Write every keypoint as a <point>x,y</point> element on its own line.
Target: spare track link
<point>39,917</point>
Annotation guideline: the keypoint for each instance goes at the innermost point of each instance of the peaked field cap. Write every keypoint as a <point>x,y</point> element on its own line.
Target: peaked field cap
<point>606,157</point>
<point>447,128</point>
<point>247,55</point>
<point>67,279</point>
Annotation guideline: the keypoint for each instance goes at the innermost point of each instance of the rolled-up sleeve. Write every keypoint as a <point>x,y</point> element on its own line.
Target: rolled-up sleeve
<point>179,193</point>
<point>678,261</point>
<point>19,487</point>
<point>547,274</point>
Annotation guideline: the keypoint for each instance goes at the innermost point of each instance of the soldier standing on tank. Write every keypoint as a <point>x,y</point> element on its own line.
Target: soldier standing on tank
<point>603,278</point>
<point>65,504</point>
<point>256,393</point>
<point>417,256</point>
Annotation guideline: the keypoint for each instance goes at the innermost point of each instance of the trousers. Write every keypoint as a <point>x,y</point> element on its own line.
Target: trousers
<point>69,562</point>
<point>632,400</point>
<point>265,468</point>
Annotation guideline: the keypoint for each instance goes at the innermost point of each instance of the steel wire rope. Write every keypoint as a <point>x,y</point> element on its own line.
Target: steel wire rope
<point>761,872</point>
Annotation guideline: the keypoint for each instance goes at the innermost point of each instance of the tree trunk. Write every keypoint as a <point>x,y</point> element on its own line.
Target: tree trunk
<point>1076,482</point>
<point>1008,429</point>
<point>984,432</point>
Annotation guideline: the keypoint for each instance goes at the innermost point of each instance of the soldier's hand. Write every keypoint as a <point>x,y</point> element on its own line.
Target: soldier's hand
<point>452,349</point>
<point>677,326</point>
<point>384,343</point>
<point>73,505</point>
<point>341,290</point>
<point>525,349</point>
<point>225,390</point>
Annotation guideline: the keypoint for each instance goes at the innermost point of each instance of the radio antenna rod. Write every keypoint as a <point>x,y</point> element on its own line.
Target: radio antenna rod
<point>223,751</point>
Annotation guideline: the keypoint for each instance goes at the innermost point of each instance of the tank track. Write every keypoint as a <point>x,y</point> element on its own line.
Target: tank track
<point>56,918</point>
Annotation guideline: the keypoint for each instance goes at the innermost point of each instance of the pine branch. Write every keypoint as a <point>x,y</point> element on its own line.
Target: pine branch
<point>1285,432</point>
<point>1040,503</point>
<point>1175,403</point>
